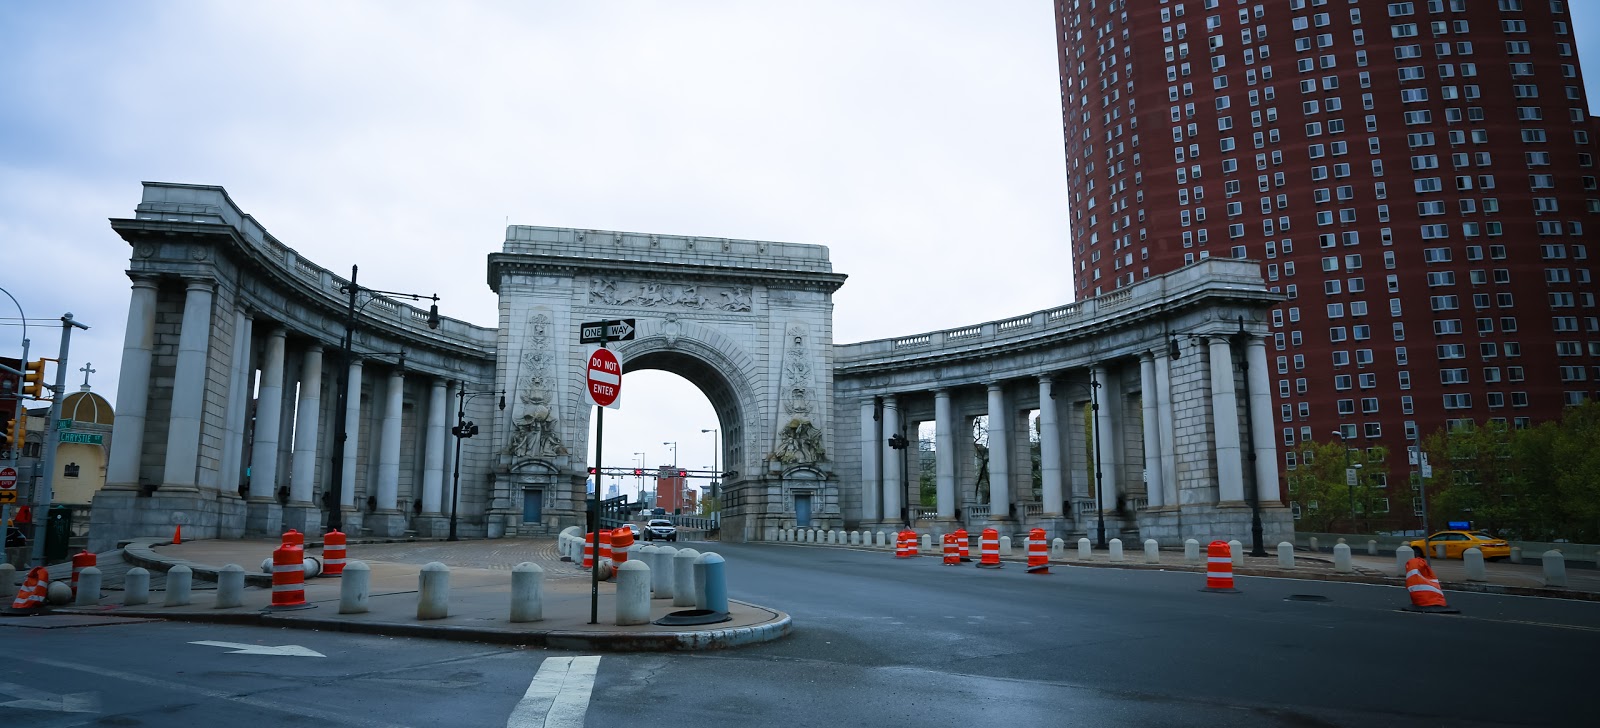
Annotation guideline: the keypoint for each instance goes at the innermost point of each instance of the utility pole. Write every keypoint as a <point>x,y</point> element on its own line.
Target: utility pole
<point>41,494</point>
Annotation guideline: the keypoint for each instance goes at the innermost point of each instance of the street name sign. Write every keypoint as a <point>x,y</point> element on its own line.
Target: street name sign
<point>603,378</point>
<point>82,438</point>
<point>615,330</point>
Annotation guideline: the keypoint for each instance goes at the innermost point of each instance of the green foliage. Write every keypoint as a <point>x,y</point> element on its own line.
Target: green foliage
<point>1538,484</point>
<point>1319,485</point>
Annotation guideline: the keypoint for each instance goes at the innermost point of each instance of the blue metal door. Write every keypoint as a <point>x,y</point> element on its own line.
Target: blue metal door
<point>532,501</point>
<point>802,511</point>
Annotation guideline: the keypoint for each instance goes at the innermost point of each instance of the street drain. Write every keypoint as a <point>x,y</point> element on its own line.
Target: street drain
<point>1305,598</point>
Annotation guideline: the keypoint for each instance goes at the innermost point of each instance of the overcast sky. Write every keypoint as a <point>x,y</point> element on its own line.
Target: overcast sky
<point>919,140</point>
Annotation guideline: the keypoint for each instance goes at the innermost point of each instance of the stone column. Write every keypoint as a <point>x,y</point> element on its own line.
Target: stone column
<point>238,403</point>
<point>894,489</point>
<point>999,455</point>
<point>1225,423</point>
<point>1049,449</point>
<point>1149,400</point>
<point>189,389</point>
<point>1165,415</point>
<point>133,387</point>
<point>1260,391</point>
<point>388,521</point>
<point>352,442</point>
<point>871,484</point>
<point>1108,460</point>
<point>433,464</point>
<point>303,514</point>
<point>944,454</point>
<point>265,515</point>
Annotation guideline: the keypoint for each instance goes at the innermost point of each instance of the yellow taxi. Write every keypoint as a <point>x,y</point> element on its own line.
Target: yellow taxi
<point>1457,542</point>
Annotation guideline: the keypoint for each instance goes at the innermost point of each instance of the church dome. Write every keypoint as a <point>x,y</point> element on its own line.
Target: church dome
<point>85,408</point>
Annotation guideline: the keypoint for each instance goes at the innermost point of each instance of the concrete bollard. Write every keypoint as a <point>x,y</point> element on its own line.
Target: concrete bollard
<point>633,593</point>
<point>8,582</point>
<point>855,538</point>
<point>1341,540</point>
<point>927,544</point>
<point>1472,559</point>
<point>1439,551</point>
<point>88,587</point>
<point>527,592</point>
<point>135,587</point>
<point>1401,555</point>
<point>59,593</point>
<point>1237,549</point>
<point>1058,549</point>
<point>1114,552</point>
<point>1341,558</point>
<point>1191,551</point>
<point>1372,547</point>
<point>833,537</point>
<point>1005,545</point>
<point>355,587</point>
<point>180,579</point>
<point>1555,569</point>
<point>710,583</point>
<point>433,591</point>
<point>1285,555</point>
<point>661,573</point>
<point>1152,551</point>
<point>230,587</point>
<point>683,577</point>
<point>1314,548</point>
<point>1084,549</point>
<point>647,554</point>
<point>1516,554</point>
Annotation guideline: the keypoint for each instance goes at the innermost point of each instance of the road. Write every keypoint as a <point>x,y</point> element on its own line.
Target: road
<point>877,642</point>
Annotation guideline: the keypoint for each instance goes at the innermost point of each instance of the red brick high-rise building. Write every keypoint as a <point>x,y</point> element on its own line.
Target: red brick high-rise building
<point>1417,178</point>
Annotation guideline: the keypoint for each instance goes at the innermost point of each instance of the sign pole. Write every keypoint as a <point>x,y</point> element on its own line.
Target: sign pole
<point>594,501</point>
<point>41,493</point>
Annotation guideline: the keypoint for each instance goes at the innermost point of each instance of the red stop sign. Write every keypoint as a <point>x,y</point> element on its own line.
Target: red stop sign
<point>604,378</point>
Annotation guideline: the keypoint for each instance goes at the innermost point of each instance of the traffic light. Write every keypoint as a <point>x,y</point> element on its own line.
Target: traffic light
<point>33,379</point>
<point>591,470</point>
<point>16,432</point>
<point>683,473</point>
<point>638,471</point>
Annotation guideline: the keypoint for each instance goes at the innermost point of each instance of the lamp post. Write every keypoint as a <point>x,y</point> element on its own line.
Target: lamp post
<point>900,443</point>
<point>346,357</point>
<point>463,430</point>
<point>716,454</point>
<point>638,487</point>
<point>1257,548</point>
<point>674,452</point>
<point>1099,469</point>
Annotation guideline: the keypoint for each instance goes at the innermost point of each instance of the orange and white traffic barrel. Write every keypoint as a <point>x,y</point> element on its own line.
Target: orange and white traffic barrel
<point>952,553</point>
<point>292,537</point>
<point>911,542</point>
<point>989,549</point>
<point>80,561</point>
<point>1423,588</point>
<point>333,551</point>
<point>964,544</point>
<point>1038,552</point>
<point>605,544</point>
<point>902,545</point>
<point>31,597</point>
<point>588,550</point>
<point>1219,568</point>
<point>621,539</point>
<point>288,578</point>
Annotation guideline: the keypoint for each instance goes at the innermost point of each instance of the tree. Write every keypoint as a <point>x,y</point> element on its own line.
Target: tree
<point>1319,486</point>
<point>927,471</point>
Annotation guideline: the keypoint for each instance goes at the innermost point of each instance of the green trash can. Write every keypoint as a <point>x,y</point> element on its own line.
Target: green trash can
<point>57,532</point>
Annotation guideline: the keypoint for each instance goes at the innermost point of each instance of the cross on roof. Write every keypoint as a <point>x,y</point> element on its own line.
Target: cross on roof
<point>88,368</point>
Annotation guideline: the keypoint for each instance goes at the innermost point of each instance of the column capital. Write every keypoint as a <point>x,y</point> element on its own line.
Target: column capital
<point>890,400</point>
<point>1145,356</point>
<point>994,386</point>
<point>315,347</point>
<point>940,391</point>
<point>200,284</point>
<point>1049,378</point>
<point>145,280</point>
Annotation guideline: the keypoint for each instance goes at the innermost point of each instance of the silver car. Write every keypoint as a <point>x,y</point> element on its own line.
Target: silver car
<point>660,529</point>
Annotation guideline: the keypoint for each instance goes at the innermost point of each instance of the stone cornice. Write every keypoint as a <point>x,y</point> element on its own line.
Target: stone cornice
<point>502,264</point>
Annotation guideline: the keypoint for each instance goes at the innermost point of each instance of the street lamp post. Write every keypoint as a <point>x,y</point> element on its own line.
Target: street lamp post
<point>674,452</point>
<point>463,430</point>
<point>346,357</point>
<point>638,488</point>
<point>900,443</point>
<point>1099,469</point>
<point>716,455</point>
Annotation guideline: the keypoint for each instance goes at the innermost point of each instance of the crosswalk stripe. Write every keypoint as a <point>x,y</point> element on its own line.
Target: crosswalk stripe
<point>558,697</point>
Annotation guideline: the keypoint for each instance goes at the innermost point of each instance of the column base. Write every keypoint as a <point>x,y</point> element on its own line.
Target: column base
<point>387,524</point>
<point>432,526</point>
<point>303,517</point>
<point>263,517</point>
<point>118,515</point>
<point>1054,525</point>
<point>349,520</point>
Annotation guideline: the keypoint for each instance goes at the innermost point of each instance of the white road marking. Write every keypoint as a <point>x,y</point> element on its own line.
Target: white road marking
<point>243,649</point>
<point>558,697</point>
<point>273,704</point>
<point>32,699</point>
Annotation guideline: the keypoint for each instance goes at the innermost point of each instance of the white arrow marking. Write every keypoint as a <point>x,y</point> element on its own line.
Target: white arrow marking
<point>32,699</point>
<point>558,697</point>
<point>284,650</point>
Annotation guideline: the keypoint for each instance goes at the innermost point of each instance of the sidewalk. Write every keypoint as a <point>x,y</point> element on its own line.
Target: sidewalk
<point>480,599</point>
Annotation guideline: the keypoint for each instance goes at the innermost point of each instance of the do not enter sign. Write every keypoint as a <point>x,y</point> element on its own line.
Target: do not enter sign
<point>8,485</point>
<point>604,378</point>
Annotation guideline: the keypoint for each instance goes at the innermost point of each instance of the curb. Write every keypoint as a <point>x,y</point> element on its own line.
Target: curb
<point>779,627</point>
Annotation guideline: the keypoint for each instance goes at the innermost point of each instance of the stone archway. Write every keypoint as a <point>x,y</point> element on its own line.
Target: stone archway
<point>748,322</point>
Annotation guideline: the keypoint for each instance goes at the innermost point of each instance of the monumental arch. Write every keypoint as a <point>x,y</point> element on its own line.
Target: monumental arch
<point>750,323</point>
<point>228,400</point>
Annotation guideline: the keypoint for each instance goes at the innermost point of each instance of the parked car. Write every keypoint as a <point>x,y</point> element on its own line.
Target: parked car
<point>638,533</point>
<point>660,529</point>
<point>1457,542</point>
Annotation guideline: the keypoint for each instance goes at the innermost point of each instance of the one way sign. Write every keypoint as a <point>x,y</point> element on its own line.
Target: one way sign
<point>615,330</point>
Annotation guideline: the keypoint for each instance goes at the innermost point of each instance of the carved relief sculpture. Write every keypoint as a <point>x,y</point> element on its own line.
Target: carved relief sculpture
<point>536,423</point>
<point>668,295</point>
<point>799,440</point>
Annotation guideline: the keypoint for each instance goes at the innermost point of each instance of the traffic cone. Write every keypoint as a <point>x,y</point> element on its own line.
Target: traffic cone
<point>1423,587</point>
<point>31,598</point>
<point>177,535</point>
<point>1219,569</point>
